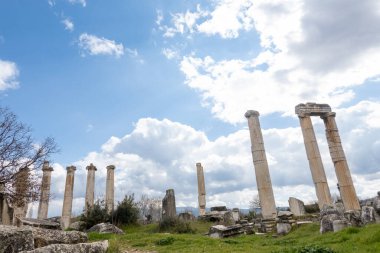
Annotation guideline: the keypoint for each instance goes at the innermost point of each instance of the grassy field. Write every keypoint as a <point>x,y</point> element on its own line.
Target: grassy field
<point>146,238</point>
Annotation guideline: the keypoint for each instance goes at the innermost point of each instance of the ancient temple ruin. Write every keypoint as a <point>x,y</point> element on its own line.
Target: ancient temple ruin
<point>347,190</point>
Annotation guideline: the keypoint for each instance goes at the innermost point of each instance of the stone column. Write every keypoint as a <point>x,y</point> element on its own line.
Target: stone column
<point>90,195</point>
<point>110,188</point>
<point>347,189</point>
<point>4,211</point>
<point>22,186</point>
<point>264,184</point>
<point>45,191</point>
<point>168,205</point>
<point>68,197</point>
<point>315,161</point>
<point>201,190</point>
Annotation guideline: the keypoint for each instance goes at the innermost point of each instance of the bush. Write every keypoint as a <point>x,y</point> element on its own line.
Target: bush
<point>175,225</point>
<point>165,241</point>
<point>314,249</point>
<point>312,208</point>
<point>96,214</point>
<point>126,211</point>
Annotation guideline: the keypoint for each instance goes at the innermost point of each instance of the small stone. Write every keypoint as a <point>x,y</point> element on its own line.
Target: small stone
<point>105,228</point>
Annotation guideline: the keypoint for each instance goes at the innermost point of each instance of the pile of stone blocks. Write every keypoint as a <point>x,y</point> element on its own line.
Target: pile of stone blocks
<point>285,222</point>
<point>221,231</point>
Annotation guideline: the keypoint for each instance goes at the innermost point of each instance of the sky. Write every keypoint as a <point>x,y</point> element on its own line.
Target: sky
<point>155,86</point>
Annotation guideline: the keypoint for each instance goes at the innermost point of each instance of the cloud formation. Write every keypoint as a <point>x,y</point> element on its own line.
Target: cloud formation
<point>309,52</point>
<point>8,75</point>
<point>82,2</point>
<point>93,45</point>
<point>68,23</point>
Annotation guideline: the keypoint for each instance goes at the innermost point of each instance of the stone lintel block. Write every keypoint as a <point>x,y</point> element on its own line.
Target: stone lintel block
<point>312,109</point>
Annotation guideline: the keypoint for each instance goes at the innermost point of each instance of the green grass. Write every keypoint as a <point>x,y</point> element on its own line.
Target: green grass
<point>146,238</point>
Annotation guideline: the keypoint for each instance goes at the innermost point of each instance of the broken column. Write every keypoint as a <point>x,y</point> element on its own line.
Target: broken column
<point>22,186</point>
<point>45,191</point>
<point>68,197</point>
<point>110,188</point>
<point>315,161</point>
<point>90,195</point>
<point>201,190</point>
<point>5,211</point>
<point>168,205</point>
<point>264,184</point>
<point>297,207</point>
<point>346,186</point>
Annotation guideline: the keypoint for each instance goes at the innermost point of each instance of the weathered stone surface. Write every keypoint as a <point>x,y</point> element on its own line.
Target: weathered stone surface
<point>339,225</point>
<point>168,205</point>
<point>14,239</point>
<point>78,226</point>
<point>339,207</point>
<point>40,223</point>
<point>236,214</point>
<point>354,218</point>
<point>327,222</point>
<point>221,231</point>
<point>376,203</point>
<point>228,218</point>
<point>263,180</point>
<point>283,228</point>
<point>44,237</point>
<point>297,207</point>
<point>201,190</point>
<point>95,247</point>
<point>368,214</point>
<point>282,214</point>
<point>186,216</point>
<point>106,228</point>
<point>218,208</point>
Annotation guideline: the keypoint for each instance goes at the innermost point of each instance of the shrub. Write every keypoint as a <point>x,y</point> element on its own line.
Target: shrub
<point>175,225</point>
<point>165,241</point>
<point>126,211</point>
<point>96,214</point>
<point>312,208</point>
<point>314,249</point>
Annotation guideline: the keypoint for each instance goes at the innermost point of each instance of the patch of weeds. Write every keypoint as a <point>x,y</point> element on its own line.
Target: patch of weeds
<point>229,241</point>
<point>165,241</point>
<point>352,230</point>
<point>140,244</point>
<point>314,249</point>
<point>175,225</point>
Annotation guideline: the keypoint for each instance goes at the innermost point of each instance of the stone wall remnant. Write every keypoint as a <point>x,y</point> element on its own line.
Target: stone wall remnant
<point>168,205</point>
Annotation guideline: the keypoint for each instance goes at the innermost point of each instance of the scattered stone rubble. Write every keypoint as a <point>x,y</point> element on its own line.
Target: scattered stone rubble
<point>95,247</point>
<point>105,228</point>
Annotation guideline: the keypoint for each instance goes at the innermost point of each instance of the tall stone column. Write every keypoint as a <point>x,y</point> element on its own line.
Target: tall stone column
<point>315,161</point>
<point>90,195</point>
<point>201,190</point>
<point>110,188</point>
<point>45,191</point>
<point>264,184</point>
<point>22,185</point>
<point>68,197</point>
<point>4,211</point>
<point>347,189</point>
<point>168,205</point>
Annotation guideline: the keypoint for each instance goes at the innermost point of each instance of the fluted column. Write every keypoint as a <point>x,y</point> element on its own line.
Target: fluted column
<point>90,195</point>
<point>315,161</point>
<point>68,197</point>
<point>110,188</point>
<point>264,184</point>
<point>45,191</point>
<point>201,189</point>
<point>347,189</point>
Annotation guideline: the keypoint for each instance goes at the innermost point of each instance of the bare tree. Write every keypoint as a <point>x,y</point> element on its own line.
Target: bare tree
<point>255,202</point>
<point>150,208</point>
<point>20,156</point>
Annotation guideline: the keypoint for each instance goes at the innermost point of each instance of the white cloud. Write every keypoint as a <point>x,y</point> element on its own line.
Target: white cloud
<point>161,154</point>
<point>170,53</point>
<point>68,23</point>
<point>306,56</point>
<point>8,75</point>
<point>82,2</point>
<point>94,45</point>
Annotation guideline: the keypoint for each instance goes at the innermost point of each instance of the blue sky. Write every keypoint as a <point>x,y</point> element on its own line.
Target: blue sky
<point>156,86</point>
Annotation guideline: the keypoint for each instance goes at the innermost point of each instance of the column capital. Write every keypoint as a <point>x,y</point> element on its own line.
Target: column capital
<point>46,167</point>
<point>328,114</point>
<point>110,167</point>
<point>198,164</point>
<point>71,168</point>
<point>251,113</point>
<point>91,167</point>
<point>303,115</point>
